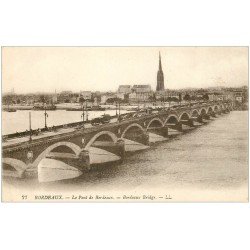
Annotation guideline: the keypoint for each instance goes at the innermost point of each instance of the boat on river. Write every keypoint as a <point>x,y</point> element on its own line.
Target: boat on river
<point>97,108</point>
<point>42,107</point>
<point>93,108</point>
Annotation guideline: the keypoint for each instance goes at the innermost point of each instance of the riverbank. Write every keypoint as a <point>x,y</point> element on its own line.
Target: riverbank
<point>129,107</point>
<point>69,106</point>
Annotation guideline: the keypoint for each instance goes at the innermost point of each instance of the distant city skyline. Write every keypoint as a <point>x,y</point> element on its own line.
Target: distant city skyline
<point>44,69</point>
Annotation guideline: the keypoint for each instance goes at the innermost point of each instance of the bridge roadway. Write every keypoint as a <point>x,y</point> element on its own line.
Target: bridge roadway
<point>21,156</point>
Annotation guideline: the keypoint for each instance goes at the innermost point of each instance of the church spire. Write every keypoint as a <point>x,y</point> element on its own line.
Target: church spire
<point>160,68</point>
<point>160,76</point>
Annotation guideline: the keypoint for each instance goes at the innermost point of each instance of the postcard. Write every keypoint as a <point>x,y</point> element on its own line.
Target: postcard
<point>125,124</point>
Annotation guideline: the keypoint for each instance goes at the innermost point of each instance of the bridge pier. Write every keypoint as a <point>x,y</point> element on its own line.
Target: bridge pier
<point>83,159</point>
<point>189,122</point>
<point>199,119</point>
<point>117,148</point>
<point>120,148</point>
<point>213,114</point>
<point>162,131</point>
<point>206,117</point>
<point>177,126</point>
<point>145,139</point>
<point>80,161</point>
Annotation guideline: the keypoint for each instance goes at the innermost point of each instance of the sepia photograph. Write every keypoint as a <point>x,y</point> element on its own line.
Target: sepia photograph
<point>125,124</point>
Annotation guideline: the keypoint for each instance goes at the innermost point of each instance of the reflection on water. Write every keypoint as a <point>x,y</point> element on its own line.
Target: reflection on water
<point>213,156</point>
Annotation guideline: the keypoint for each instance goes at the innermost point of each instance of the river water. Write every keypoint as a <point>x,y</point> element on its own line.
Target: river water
<point>209,163</point>
<point>19,121</point>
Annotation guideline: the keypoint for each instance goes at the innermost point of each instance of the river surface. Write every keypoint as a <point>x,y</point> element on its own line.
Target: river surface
<point>19,121</point>
<point>209,163</point>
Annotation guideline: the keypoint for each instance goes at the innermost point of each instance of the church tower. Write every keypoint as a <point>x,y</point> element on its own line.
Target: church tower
<point>160,77</point>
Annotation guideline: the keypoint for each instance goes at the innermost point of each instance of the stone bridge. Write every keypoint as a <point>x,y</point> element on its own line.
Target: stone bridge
<point>21,157</point>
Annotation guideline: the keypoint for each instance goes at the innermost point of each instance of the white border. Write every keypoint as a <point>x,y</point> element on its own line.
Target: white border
<point>124,226</point>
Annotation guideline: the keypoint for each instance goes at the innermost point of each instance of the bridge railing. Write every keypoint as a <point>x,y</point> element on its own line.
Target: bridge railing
<point>128,116</point>
<point>51,128</point>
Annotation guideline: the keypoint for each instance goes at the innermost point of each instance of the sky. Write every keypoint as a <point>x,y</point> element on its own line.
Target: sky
<point>46,69</point>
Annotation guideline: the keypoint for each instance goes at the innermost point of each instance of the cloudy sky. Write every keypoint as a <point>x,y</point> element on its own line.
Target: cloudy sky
<point>32,69</point>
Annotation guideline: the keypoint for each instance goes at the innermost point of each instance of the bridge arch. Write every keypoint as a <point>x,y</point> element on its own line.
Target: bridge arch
<point>157,121</point>
<point>96,136</point>
<point>203,112</point>
<point>184,116</point>
<point>195,113</point>
<point>131,126</point>
<point>172,119</point>
<point>209,110</point>
<point>17,165</point>
<point>75,148</point>
<point>216,108</point>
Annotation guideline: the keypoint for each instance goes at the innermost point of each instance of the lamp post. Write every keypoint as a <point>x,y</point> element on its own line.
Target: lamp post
<point>116,107</point>
<point>45,116</point>
<point>180,99</point>
<point>119,107</point>
<point>137,95</point>
<point>82,114</point>
<point>86,111</point>
<point>30,139</point>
